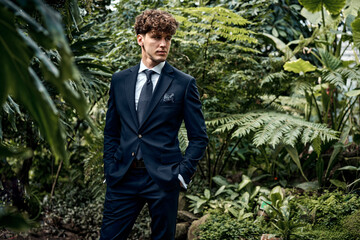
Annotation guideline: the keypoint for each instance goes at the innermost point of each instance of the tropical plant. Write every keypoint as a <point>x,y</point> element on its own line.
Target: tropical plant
<point>236,199</point>
<point>279,210</point>
<point>321,96</point>
<point>44,82</point>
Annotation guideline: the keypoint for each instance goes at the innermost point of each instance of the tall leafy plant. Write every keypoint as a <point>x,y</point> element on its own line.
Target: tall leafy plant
<point>202,46</point>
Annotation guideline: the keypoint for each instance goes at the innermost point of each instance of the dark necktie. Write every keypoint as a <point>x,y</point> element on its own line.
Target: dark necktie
<point>144,100</point>
<point>145,96</point>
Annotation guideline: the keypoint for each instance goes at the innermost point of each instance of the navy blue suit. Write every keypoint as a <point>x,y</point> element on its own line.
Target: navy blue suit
<point>175,99</point>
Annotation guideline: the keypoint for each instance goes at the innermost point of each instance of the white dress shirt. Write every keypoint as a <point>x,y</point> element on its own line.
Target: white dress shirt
<point>141,80</point>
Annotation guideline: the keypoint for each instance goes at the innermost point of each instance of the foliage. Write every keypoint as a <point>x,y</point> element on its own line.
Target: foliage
<point>237,199</point>
<point>333,6</point>
<point>351,224</point>
<point>24,43</point>
<point>77,208</point>
<point>274,128</point>
<point>328,209</point>
<point>222,226</point>
<point>278,208</point>
<point>10,218</point>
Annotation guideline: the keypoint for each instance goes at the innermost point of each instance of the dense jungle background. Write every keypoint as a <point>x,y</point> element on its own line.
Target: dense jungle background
<point>280,84</point>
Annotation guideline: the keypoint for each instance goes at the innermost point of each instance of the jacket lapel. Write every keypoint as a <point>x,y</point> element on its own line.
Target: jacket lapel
<point>130,91</point>
<point>166,77</point>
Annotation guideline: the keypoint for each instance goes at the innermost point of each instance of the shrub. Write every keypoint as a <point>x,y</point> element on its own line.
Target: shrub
<point>76,210</point>
<point>223,226</point>
<point>327,209</point>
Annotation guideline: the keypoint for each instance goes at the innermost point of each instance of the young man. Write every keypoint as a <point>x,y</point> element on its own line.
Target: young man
<point>142,158</point>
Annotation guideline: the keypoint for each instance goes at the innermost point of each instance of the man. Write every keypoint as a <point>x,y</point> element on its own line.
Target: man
<point>142,158</point>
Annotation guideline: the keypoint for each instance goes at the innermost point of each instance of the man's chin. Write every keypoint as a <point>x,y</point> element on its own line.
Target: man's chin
<point>159,59</point>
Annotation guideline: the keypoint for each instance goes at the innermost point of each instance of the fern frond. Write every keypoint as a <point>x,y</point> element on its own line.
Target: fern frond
<point>183,140</point>
<point>273,76</point>
<point>332,77</point>
<point>274,128</point>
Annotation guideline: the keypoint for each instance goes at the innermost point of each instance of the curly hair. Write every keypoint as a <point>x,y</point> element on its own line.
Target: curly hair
<point>155,20</point>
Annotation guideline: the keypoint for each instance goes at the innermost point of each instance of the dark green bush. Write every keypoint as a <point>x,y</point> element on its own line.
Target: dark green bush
<point>80,211</point>
<point>323,233</point>
<point>220,226</point>
<point>76,210</point>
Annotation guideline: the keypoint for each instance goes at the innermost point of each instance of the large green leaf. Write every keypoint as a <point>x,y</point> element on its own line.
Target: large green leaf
<point>353,93</point>
<point>24,84</point>
<point>299,66</point>
<point>295,157</point>
<point>12,219</point>
<point>6,151</point>
<point>333,6</point>
<point>280,45</point>
<point>356,32</point>
<point>338,148</point>
<point>352,7</point>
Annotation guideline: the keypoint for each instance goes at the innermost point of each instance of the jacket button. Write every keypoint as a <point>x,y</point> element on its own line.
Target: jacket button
<point>132,154</point>
<point>140,136</point>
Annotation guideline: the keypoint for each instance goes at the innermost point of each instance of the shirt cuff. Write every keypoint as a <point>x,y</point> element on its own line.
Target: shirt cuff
<point>182,181</point>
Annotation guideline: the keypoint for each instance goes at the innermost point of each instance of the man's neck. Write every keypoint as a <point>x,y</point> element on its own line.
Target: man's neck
<point>158,68</point>
<point>150,64</point>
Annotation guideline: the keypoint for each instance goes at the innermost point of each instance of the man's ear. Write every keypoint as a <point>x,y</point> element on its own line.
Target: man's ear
<point>140,39</point>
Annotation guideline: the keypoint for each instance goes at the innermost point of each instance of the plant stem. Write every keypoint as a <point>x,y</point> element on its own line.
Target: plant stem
<point>323,20</point>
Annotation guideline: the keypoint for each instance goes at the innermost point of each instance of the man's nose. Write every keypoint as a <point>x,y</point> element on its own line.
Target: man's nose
<point>163,42</point>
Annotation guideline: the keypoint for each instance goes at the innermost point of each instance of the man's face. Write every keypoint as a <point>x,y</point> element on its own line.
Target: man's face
<point>155,47</point>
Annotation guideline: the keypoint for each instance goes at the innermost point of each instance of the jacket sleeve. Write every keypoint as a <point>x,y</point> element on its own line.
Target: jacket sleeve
<point>196,131</point>
<point>111,131</point>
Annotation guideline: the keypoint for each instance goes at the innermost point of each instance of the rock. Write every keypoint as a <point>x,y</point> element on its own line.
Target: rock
<point>182,201</point>
<point>269,237</point>
<point>195,226</point>
<point>185,216</point>
<point>181,230</point>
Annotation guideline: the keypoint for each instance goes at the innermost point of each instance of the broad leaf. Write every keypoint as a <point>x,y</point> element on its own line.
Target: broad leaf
<point>220,181</point>
<point>314,18</point>
<point>356,32</point>
<point>295,157</point>
<point>220,190</point>
<point>351,168</point>
<point>207,193</point>
<point>280,45</point>
<point>299,66</point>
<point>353,93</point>
<point>338,148</point>
<point>339,184</point>
<point>11,152</point>
<point>333,6</point>
<point>308,186</point>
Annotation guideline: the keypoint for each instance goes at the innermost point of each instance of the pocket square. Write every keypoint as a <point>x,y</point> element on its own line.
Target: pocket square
<point>168,97</point>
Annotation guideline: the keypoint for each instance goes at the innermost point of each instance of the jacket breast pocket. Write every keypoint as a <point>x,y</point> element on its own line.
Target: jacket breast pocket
<point>172,157</point>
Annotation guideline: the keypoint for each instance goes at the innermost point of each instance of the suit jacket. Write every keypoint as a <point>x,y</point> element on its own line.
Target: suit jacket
<point>174,99</point>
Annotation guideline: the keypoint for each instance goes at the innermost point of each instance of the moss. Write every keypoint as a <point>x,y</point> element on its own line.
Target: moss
<point>351,224</point>
<point>223,227</point>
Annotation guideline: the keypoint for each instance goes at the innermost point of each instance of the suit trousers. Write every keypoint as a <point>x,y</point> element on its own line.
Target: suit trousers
<point>125,200</point>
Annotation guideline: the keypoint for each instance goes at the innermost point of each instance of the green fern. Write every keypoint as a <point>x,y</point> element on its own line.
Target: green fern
<point>273,128</point>
<point>183,140</point>
<point>208,25</point>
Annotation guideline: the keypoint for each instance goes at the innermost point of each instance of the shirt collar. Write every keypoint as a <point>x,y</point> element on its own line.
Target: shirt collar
<point>156,69</point>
